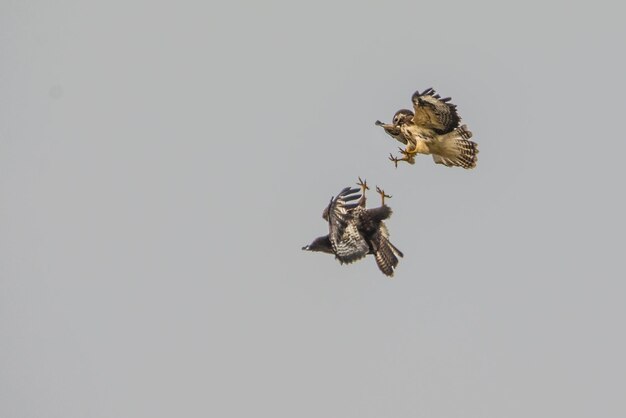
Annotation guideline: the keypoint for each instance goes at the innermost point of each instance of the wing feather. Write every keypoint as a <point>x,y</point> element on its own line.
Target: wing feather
<point>433,112</point>
<point>454,149</point>
<point>355,231</point>
<point>345,237</point>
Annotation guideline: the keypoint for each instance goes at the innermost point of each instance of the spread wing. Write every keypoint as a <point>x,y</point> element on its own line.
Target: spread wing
<point>433,112</point>
<point>346,239</point>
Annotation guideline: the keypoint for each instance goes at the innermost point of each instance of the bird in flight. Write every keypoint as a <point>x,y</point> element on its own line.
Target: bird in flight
<point>354,231</point>
<point>432,127</point>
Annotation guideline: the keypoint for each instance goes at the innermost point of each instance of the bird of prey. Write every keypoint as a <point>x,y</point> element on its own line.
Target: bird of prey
<point>354,231</point>
<point>432,128</point>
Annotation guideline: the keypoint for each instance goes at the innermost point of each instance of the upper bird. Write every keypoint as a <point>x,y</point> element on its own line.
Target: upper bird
<point>354,231</point>
<point>432,128</point>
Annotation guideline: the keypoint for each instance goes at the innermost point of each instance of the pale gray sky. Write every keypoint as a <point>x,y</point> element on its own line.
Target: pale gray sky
<point>161,165</point>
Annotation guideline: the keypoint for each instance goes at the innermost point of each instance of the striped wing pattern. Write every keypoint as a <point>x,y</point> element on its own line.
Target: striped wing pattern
<point>433,112</point>
<point>347,241</point>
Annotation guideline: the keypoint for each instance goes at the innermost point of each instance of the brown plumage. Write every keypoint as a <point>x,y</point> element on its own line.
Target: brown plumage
<point>433,112</point>
<point>432,128</point>
<point>355,231</point>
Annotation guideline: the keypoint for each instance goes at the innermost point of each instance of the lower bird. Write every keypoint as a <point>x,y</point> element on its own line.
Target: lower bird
<point>355,231</point>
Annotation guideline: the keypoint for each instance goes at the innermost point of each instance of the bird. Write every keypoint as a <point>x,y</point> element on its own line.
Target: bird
<point>432,127</point>
<point>354,231</point>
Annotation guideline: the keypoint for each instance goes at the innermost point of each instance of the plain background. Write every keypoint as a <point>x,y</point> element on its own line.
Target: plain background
<point>163,163</point>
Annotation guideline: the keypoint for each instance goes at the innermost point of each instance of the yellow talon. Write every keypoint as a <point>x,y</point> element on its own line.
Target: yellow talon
<point>363,184</point>
<point>407,153</point>
<point>382,194</point>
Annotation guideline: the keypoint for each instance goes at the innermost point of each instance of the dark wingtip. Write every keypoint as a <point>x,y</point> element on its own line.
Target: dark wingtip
<point>427,92</point>
<point>349,190</point>
<point>351,197</point>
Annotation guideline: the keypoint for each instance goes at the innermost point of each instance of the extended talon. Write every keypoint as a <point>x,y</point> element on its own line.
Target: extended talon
<point>407,153</point>
<point>382,194</point>
<point>394,159</point>
<point>363,184</point>
<point>364,187</point>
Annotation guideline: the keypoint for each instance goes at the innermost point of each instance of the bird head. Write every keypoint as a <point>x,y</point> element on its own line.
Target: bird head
<point>402,116</point>
<point>321,244</point>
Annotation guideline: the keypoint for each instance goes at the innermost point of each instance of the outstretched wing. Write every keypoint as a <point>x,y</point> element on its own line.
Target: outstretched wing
<point>433,112</point>
<point>345,237</point>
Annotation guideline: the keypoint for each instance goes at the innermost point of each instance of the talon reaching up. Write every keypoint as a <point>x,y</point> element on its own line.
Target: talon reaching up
<point>363,184</point>
<point>354,232</point>
<point>382,194</point>
<point>364,187</point>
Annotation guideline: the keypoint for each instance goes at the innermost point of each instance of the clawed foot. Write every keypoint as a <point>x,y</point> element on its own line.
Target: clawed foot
<point>395,159</point>
<point>407,153</point>
<point>363,184</point>
<point>364,187</point>
<point>382,194</point>
<point>409,157</point>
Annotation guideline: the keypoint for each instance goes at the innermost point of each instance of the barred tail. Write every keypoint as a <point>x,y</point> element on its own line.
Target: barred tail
<point>456,150</point>
<point>386,257</point>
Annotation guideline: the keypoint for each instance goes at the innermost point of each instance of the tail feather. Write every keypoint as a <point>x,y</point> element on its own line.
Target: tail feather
<point>456,150</point>
<point>395,250</point>
<point>386,258</point>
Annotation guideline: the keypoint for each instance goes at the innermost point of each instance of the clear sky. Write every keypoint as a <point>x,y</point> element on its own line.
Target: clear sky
<point>163,163</point>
